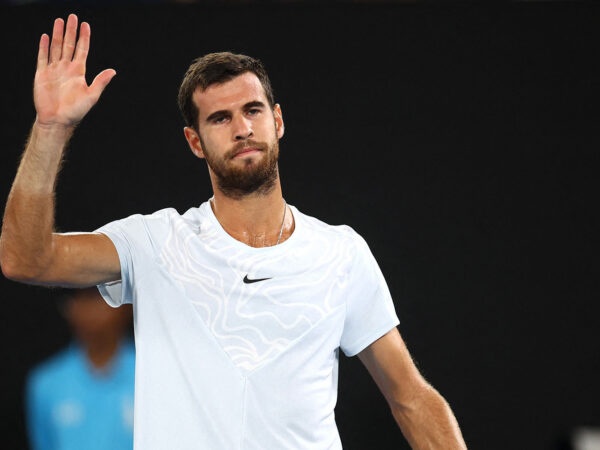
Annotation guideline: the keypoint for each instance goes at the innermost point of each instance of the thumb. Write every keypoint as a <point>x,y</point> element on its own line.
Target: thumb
<point>101,81</point>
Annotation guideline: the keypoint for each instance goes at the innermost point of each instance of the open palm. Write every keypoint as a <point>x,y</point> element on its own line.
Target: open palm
<point>61,93</point>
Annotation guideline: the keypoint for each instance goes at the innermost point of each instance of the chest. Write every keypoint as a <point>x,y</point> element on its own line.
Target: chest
<point>257,304</point>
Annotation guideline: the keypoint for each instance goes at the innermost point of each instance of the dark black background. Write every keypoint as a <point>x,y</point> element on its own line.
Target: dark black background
<point>461,141</point>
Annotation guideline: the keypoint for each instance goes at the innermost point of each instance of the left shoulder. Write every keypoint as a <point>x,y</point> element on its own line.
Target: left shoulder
<point>318,226</point>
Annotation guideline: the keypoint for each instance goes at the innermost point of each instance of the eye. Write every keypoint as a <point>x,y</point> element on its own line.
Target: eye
<point>253,111</point>
<point>219,119</point>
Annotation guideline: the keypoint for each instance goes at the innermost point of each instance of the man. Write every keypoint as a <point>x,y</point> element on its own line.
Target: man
<point>241,304</point>
<point>82,397</point>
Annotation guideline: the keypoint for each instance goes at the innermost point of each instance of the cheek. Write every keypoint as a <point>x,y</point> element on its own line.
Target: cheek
<point>213,139</point>
<point>266,131</point>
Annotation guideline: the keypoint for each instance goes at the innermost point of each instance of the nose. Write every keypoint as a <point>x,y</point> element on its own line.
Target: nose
<point>242,128</point>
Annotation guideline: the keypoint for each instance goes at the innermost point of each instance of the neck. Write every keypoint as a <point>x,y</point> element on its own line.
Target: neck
<point>255,219</point>
<point>101,352</point>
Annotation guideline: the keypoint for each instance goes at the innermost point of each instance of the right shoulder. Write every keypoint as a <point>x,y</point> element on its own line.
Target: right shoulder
<point>162,217</point>
<point>136,226</point>
<point>150,232</point>
<point>156,218</point>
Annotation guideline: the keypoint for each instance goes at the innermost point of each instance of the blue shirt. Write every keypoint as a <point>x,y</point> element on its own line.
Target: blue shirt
<point>72,406</point>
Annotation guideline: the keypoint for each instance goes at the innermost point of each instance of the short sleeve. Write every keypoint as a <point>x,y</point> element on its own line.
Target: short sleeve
<point>130,238</point>
<point>370,310</point>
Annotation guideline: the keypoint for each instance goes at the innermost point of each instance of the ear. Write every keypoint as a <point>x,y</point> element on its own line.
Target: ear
<point>193,141</point>
<point>279,126</point>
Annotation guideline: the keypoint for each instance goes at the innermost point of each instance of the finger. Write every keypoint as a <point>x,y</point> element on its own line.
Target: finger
<point>57,40</point>
<point>42,59</point>
<point>70,35</point>
<point>83,43</point>
<point>100,82</point>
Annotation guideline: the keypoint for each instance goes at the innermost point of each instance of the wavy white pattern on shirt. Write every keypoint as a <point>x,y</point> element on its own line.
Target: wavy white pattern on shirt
<point>255,322</point>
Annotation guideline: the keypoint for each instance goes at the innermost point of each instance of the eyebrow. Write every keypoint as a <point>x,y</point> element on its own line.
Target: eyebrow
<point>246,107</point>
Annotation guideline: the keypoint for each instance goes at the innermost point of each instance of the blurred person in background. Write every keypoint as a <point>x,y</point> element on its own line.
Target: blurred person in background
<point>82,397</point>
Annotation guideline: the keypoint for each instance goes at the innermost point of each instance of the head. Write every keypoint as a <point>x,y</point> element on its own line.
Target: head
<point>233,122</point>
<point>217,68</point>
<point>91,320</point>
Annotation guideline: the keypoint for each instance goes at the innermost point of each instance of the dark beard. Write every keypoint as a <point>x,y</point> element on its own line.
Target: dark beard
<point>238,182</point>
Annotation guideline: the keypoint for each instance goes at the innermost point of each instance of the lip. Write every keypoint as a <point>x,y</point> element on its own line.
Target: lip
<point>246,151</point>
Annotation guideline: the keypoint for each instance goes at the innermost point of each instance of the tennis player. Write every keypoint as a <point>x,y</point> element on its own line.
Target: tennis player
<point>241,304</point>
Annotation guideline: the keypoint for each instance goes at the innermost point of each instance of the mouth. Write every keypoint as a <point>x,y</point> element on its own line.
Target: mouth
<point>245,149</point>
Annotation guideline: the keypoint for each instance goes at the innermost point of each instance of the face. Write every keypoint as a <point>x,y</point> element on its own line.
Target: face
<point>91,319</point>
<point>238,136</point>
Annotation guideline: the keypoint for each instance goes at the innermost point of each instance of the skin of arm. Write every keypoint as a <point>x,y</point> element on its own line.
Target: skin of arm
<point>422,414</point>
<point>30,251</point>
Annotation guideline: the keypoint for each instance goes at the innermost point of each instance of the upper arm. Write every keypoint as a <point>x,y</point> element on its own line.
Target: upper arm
<point>78,260</point>
<point>393,370</point>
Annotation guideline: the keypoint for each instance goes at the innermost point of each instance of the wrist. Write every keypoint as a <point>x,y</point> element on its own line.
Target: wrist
<point>47,142</point>
<point>52,129</point>
<point>52,134</point>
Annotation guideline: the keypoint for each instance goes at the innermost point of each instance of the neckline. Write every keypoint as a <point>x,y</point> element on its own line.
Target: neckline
<point>225,235</point>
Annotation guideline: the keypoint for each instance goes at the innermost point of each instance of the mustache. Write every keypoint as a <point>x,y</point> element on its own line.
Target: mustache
<point>240,146</point>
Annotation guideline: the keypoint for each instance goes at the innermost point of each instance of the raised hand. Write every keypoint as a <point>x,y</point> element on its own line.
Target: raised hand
<point>61,93</point>
<point>30,250</point>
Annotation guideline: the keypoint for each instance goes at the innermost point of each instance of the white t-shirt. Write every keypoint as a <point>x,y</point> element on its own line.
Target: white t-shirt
<point>237,347</point>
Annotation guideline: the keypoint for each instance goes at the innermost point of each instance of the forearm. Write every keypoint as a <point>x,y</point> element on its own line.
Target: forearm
<point>428,422</point>
<point>42,158</point>
<point>28,225</point>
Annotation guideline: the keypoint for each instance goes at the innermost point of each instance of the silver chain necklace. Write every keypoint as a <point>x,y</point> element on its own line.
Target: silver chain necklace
<point>282,222</point>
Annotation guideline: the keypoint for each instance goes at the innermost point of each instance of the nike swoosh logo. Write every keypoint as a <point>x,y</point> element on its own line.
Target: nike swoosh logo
<point>254,280</point>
